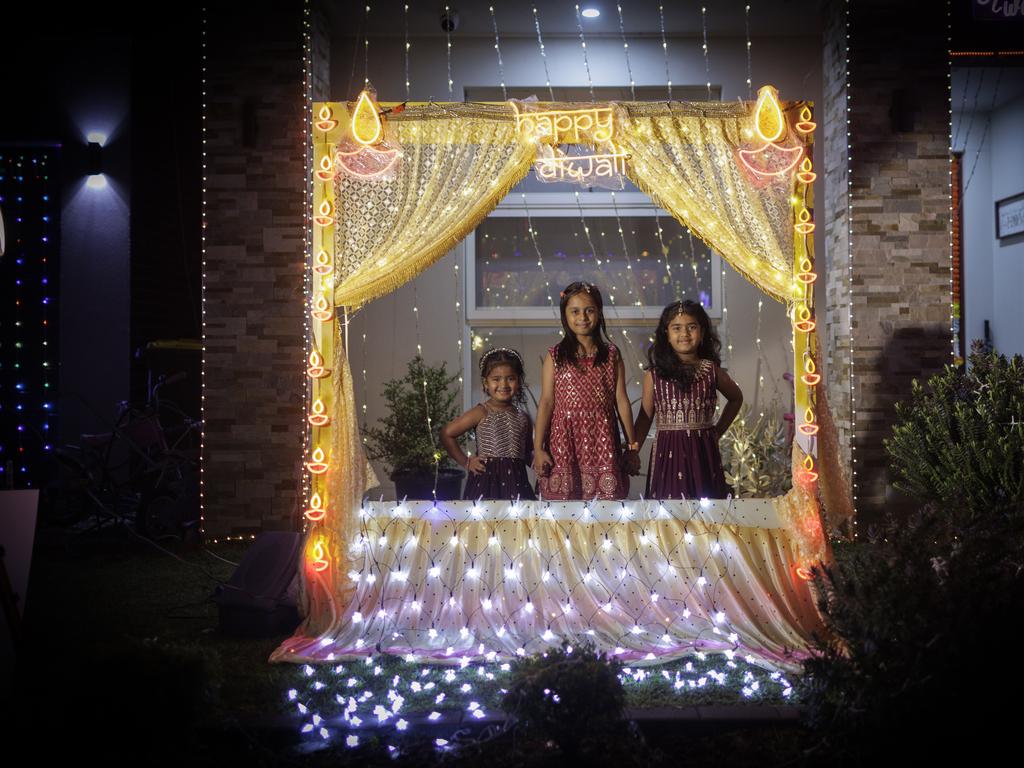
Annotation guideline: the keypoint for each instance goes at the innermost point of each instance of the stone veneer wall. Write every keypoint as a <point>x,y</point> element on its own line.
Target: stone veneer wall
<point>255,258</point>
<point>900,188</point>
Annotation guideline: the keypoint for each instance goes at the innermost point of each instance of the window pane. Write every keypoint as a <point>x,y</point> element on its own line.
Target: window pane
<point>509,272</point>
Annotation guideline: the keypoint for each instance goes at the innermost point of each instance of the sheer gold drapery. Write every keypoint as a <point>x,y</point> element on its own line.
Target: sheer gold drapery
<point>458,162</point>
<point>685,158</point>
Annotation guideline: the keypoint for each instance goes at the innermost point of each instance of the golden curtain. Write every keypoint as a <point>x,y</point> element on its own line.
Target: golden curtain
<point>458,162</point>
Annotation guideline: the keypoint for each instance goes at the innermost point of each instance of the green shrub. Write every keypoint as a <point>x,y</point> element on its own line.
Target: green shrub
<point>403,441</point>
<point>959,442</point>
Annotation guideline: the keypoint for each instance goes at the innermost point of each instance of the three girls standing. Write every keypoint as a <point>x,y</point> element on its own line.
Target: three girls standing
<point>577,450</point>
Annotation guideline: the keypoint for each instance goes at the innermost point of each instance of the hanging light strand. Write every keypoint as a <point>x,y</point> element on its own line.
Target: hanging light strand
<point>583,45</point>
<point>448,52</point>
<point>366,46</point>
<point>625,51</point>
<point>750,76</point>
<point>540,256</point>
<point>707,63</point>
<point>497,50</point>
<point>543,54</point>
<point>407,81</point>
<point>664,50</point>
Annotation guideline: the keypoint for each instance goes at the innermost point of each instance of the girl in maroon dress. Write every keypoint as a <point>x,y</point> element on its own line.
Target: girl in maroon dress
<point>577,452</point>
<point>503,432</point>
<point>681,389</point>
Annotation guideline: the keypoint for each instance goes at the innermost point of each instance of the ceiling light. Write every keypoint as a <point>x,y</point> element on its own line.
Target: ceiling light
<point>590,13</point>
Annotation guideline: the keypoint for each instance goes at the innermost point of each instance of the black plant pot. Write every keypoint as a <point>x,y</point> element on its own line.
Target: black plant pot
<point>420,485</point>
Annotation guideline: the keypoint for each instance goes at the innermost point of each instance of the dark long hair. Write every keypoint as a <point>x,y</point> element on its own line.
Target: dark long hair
<point>664,361</point>
<point>496,356</point>
<point>568,348</point>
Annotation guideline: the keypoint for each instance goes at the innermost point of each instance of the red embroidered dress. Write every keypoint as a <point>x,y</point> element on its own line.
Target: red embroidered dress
<point>583,438</point>
<point>685,460</point>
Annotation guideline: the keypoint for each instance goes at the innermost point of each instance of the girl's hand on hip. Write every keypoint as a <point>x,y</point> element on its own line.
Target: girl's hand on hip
<point>476,465</point>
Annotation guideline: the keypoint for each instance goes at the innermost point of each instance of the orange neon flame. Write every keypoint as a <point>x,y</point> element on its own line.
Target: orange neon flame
<point>318,418</point>
<point>805,125</point>
<point>808,427</point>
<point>803,321</point>
<point>768,121</point>
<point>316,509</point>
<point>322,311</point>
<point>810,378</point>
<point>326,121</point>
<point>326,172</point>
<point>322,265</point>
<point>326,217</point>
<point>805,174</point>
<point>317,466</point>
<point>804,225</point>
<point>316,368</point>
<point>320,556</point>
<point>804,573</point>
<point>367,126</point>
<point>809,473</point>
<point>751,158</point>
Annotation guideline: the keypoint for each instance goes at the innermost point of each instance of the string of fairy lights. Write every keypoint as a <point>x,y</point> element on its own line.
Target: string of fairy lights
<point>307,231</point>
<point>30,200</point>
<point>849,273</point>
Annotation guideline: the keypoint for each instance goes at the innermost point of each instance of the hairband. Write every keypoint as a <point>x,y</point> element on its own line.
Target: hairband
<point>496,350</point>
<point>585,286</point>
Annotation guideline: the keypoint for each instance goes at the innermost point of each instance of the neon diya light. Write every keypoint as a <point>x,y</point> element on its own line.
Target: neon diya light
<point>802,319</point>
<point>770,125</point>
<point>805,174</point>
<point>808,427</point>
<point>810,376</point>
<point>367,127</point>
<point>316,368</point>
<point>318,418</point>
<point>322,311</point>
<point>326,217</point>
<point>326,172</point>
<point>317,466</point>
<point>805,125</point>
<point>322,263</point>
<point>808,471</point>
<point>805,275</point>
<point>804,225</point>
<point>385,159</point>
<point>326,121</point>
<point>316,510</point>
<point>320,562</point>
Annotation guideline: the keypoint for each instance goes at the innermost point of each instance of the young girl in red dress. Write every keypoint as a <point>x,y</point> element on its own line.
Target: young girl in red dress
<point>577,453</point>
<point>681,389</point>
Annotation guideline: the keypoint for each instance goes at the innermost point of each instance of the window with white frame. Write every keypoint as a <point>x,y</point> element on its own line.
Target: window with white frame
<point>535,243</point>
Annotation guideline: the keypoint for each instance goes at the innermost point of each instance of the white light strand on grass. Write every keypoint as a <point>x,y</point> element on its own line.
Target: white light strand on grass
<point>586,61</point>
<point>664,50</point>
<point>625,50</point>
<point>707,63</point>
<point>543,54</point>
<point>497,49</point>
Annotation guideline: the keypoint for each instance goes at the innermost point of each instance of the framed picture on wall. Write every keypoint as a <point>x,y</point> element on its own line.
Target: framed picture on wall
<point>1010,216</point>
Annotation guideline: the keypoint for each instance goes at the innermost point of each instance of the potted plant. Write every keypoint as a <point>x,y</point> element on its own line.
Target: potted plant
<point>408,439</point>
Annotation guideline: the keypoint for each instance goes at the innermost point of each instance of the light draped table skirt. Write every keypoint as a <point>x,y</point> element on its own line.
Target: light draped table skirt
<point>646,581</point>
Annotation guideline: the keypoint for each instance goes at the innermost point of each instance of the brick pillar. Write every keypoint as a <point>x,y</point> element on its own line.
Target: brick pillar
<point>253,277</point>
<point>899,123</point>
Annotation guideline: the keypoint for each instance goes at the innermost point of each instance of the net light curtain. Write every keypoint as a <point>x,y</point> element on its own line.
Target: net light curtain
<point>653,581</point>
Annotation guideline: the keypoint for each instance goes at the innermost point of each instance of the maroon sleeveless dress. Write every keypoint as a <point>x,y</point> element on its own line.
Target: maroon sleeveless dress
<point>685,461</point>
<point>583,438</point>
<point>502,438</point>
